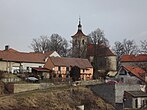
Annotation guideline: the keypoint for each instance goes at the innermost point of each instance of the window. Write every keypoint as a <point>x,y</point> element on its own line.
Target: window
<point>67,68</point>
<point>40,66</point>
<point>122,79</point>
<point>123,73</point>
<point>59,68</point>
<point>83,70</point>
<point>136,103</point>
<point>27,68</point>
<point>83,42</point>
<point>76,42</point>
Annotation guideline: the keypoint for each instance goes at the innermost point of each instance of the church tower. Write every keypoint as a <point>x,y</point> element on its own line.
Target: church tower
<point>79,43</point>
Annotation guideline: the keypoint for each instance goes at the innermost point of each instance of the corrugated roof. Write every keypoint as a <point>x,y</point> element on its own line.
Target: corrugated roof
<point>62,61</point>
<point>134,58</point>
<point>101,50</point>
<point>11,55</point>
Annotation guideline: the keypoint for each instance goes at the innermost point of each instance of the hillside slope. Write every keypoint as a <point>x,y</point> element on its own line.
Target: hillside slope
<point>56,99</point>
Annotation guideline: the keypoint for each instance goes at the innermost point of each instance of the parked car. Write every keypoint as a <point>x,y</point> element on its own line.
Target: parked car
<point>32,79</point>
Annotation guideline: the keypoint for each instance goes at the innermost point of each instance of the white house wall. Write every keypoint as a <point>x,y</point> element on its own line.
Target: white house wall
<point>112,62</point>
<point>30,65</point>
<point>11,66</point>
<point>55,54</point>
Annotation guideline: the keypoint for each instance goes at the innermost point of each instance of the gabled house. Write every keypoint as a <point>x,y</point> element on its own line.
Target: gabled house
<point>131,75</point>
<point>135,60</point>
<point>135,99</point>
<point>77,68</point>
<point>13,61</point>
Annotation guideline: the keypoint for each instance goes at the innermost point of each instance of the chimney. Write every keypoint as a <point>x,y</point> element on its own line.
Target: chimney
<point>6,47</point>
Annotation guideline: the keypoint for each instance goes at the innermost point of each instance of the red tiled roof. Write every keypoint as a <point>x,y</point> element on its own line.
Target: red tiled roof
<point>79,34</point>
<point>134,58</point>
<point>13,55</point>
<point>101,51</point>
<point>137,71</point>
<point>62,61</point>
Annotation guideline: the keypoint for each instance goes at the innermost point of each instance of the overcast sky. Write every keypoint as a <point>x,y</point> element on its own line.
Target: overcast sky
<point>23,20</point>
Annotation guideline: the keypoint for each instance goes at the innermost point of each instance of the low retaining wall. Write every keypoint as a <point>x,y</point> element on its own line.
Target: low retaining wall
<point>16,88</point>
<point>25,87</point>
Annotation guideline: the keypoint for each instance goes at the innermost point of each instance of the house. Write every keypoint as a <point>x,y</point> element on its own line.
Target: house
<point>131,75</point>
<point>135,60</point>
<point>114,93</point>
<point>15,61</point>
<point>135,99</point>
<point>77,68</point>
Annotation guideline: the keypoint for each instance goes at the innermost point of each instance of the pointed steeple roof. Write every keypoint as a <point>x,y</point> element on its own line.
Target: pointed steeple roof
<point>79,32</point>
<point>80,26</point>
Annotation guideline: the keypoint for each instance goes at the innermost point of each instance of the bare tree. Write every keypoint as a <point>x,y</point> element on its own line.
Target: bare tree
<point>97,38</point>
<point>125,47</point>
<point>59,44</point>
<point>53,43</point>
<point>130,47</point>
<point>41,44</point>
<point>143,48</point>
<point>119,51</point>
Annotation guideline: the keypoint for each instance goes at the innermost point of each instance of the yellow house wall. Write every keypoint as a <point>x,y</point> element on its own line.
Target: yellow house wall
<point>3,66</point>
<point>87,74</point>
<point>84,75</point>
<point>7,66</point>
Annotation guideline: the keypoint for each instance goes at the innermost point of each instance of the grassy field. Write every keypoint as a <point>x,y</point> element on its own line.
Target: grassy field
<point>65,98</point>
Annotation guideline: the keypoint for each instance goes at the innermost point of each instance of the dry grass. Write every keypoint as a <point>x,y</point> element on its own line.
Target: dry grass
<point>56,99</point>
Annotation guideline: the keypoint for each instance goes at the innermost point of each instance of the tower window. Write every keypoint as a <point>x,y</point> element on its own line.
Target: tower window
<point>83,42</point>
<point>76,42</point>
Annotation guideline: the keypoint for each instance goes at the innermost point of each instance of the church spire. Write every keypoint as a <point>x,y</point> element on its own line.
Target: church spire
<point>79,26</point>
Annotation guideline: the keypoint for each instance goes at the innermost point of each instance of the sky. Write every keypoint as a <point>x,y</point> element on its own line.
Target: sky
<point>23,20</point>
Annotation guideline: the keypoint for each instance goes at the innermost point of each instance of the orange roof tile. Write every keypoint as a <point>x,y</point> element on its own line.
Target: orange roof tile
<point>13,55</point>
<point>137,71</point>
<point>101,51</point>
<point>134,58</point>
<point>62,61</point>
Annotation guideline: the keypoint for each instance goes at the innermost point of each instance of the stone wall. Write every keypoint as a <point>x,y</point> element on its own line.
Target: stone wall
<point>16,88</point>
<point>113,93</point>
<point>120,88</point>
<point>105,91</point>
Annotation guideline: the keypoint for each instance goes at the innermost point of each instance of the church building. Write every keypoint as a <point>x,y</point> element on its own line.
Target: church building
<point>83,48</point>
<point>79,43</point>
